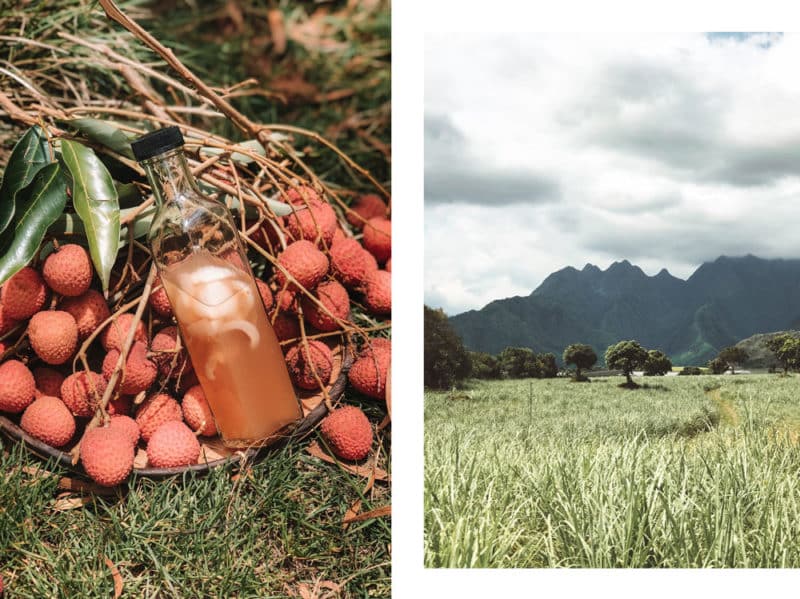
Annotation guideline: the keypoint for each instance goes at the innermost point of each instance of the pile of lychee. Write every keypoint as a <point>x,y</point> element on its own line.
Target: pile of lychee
<point>48,312</point>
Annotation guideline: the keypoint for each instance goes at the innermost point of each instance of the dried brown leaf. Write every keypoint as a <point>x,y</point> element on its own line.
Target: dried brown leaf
<point>116,576</point>
<point>366,471</point>
<point>385,510</point>
<point>70,503</point>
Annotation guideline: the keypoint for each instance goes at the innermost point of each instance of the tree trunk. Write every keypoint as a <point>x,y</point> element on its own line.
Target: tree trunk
<point>628,375</point>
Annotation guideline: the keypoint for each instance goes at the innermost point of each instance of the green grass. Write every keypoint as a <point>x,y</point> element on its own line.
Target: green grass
<point>261,535</point>
<point>689,472</point>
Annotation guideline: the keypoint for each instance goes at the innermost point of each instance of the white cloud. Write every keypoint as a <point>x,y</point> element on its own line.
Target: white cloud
<point>544,151</point>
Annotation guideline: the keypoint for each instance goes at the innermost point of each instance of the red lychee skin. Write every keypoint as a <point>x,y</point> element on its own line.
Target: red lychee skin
<point>173,444</point>
<point>127,425</point>
<point>17,387</point>
<point>48,382</point>
<point>53,336</point>
<point>368,374</point>
<point>286,327</point>
<point>351,264</point>
<point>375,345</point>
<point>197,413</point>
<point>300,368</point>
<point>388,266</point>
<point>24,294</point>
<point>333,296</point>
<point>117,331</point>
<point>315,223</point>
<point>138,373</point>
<point>88,310</point>
<point>232,256</point>
<point>378,238</point>
<point>163,348</point>
<point>49,420</point>
<point>155,411</point>
<point>6,322</point>
<point>159,301</point>
<point>68,270</point>
<point>286,300</point>
<point>81,392</point>
<point>304,262</point>
<point>378,292</point>
<point>121,406</point>
<point>266,294</point>
<point>367,206</point>
<point>107,455</point>
<point>348,433</point>
<point>266,236</point>
<point>338,235</point>
<point>301,194</point>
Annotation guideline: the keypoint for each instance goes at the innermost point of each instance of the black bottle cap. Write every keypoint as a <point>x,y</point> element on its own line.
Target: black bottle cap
<point>156,142</point>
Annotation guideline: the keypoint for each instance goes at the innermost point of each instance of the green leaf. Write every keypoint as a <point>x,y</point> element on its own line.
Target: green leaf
<point>30,154</point>
<point>106,134</point>
<point>38,206</point>
<point>95,199</point>
<point>253,145</point>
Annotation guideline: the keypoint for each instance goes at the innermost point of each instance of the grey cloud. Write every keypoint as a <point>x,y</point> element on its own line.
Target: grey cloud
<point>455,173</point>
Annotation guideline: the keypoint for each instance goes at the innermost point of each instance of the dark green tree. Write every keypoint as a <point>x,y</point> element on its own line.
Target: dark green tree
<point>582,356</point>
<point>733,356</point>
<point>717,365</point>
<point>626,356</point>
<point>446,359</point>
<point>789,354</point>
<point>775,345</point>
<point>657,363</point>
<point>484,366</point>
<point>690,371</point>
<point>518,363</point>
<point>548,368</point>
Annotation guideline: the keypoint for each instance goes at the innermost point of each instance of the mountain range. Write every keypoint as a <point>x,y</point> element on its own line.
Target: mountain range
<point>721,303</point>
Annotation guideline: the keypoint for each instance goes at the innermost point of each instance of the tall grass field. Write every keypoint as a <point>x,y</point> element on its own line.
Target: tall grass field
<point>688,472</point>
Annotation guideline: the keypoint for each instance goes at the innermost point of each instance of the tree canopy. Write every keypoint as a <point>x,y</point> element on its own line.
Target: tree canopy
<point>657,363</point>
<point>626,356</point>
<point>446,359</point>
<point>582,356</point>
<point>733,356</point>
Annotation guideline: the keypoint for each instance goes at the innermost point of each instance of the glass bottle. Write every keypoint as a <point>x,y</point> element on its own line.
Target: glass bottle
<point>207,277</point>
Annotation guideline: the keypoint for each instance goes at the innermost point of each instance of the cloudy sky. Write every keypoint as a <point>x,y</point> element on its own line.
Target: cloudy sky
<point>545,151</point>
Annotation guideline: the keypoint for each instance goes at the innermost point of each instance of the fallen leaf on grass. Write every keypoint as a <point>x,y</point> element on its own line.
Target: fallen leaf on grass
<point>80,486</point>
<point>116,576</point>
<point>315,450</point>
<point>70,503</point>
<point>351,512</point>
<point>386,510</point>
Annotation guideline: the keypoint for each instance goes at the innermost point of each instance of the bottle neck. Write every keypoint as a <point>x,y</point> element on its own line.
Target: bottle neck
<point>169,176</point>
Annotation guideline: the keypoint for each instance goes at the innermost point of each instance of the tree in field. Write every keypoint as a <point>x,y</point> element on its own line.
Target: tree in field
<point>484,366</point>
<point>446,359</point>
<point>626,356</point>
<point>548,368</point>
<point>789,354</point>
<point>582,356</point>
<point>717,365</point>
<point>657,363</point>
<point>733,356</point>
<point>518,363</point>
<point>784,357</point>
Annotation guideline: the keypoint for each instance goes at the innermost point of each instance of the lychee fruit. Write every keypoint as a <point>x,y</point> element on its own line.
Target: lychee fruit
<point>367,206</point>
<point>88,310</point>
<point>116,332</point>
<point>138,373</point>
<point>375,345</point>
<point>120,406</point>
<point>286,300</point>
<point>155,411</point>
<point>266,294</point>
<point>125,424</point>
<point>163,348</point>
<point>378,238</point>
<point>378,292</point>
<point>82,391</point>
<point>316,223</point>
<point>107,455</point>
<point>17,386</point>
<point>304,262</point>
<point>49,420</point>
<point>173,444</point>
<point>24,294</point>
<point>48,381</point>
<point>334,297</point>
<point>159,301</point>
<point>348,433</point>
<point>6,322</point>
<point>301,194</point>
<point>68,270</point>
<point>53,335</point>
<point>286,327</point>
<point>197,413</point>
<point>368,374</point>
<point>302,368</point>
<point>351,264</point>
